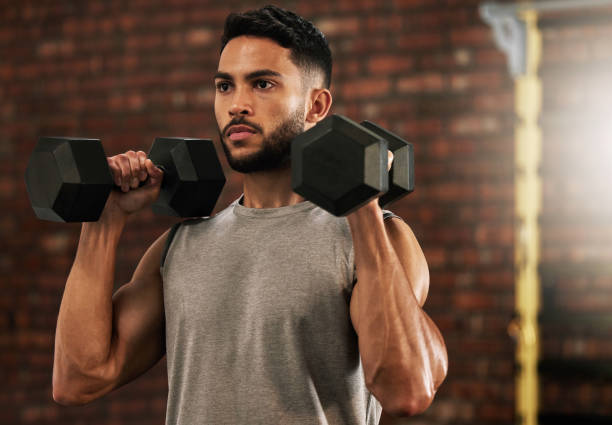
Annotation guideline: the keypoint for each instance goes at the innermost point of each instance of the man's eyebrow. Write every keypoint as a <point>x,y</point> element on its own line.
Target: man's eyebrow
<point>250,76</point>
<point>262,73</point>
<point>223,76</point>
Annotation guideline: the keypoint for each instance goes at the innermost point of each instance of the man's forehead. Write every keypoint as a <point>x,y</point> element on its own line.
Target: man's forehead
<point>244,54</point>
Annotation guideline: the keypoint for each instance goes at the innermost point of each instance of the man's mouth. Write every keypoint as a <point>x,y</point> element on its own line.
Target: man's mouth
<point>239,132</point>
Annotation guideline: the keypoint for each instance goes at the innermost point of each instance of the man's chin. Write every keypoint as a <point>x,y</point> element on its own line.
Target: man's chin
<point>239,143</point>
<point>256,163</point>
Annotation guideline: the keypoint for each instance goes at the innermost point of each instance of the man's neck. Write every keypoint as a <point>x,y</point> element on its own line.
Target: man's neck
<point>269,189</point>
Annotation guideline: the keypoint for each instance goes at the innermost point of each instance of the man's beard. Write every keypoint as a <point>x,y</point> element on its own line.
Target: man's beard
<point>275,152</point>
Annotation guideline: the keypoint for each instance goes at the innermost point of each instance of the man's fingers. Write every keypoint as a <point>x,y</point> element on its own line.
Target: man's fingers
<point>153,171</point>
<point>134,172</point>
<point>130,168</point>
<point>115,171</point>
<point>125,172</point>
<point>389,160</point>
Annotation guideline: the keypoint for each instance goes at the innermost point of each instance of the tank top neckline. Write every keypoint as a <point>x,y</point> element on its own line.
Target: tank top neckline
<point>241,210</point>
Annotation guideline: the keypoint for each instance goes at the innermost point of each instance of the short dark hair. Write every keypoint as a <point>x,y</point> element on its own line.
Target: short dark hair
<point>309,48</point>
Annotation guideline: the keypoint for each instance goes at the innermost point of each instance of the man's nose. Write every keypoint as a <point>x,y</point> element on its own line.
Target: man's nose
<point>241,103</point>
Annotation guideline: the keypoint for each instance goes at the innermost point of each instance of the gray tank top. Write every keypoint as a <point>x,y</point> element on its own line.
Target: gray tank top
<point>257,320</point>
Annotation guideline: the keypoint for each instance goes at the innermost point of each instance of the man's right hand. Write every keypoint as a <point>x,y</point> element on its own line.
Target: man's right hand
<point>129,169</point>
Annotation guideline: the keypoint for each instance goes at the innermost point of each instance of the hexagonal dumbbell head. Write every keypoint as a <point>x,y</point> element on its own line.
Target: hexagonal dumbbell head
<point>68,179</point>
<point>193,176</point>
<point>339,165</point>
<point>401,175</point>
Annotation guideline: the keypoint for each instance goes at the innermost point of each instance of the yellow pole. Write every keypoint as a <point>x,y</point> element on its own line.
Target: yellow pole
<point>528,194</point>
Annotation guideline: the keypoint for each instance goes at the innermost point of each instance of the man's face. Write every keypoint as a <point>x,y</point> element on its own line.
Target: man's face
<point>259,103</point>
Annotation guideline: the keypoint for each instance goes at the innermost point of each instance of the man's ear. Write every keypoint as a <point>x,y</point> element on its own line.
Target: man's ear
<point>318,106</point>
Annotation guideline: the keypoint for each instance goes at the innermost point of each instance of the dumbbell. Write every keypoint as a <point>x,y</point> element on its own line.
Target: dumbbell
<point>68,179</point>
<point>341,165</point>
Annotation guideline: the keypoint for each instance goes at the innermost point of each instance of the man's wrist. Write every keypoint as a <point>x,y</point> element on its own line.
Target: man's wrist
<point>109,224</point>
<point>367,212</point>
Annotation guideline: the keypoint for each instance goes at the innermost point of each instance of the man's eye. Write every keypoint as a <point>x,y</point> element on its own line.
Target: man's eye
<point>223,86</point>
<point>263,84</point>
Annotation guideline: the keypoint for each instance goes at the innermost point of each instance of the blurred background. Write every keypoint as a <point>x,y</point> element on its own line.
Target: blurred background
<point>429,70</point>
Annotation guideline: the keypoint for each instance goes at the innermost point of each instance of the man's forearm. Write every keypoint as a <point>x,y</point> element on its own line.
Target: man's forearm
<point>84,325</point>
<point>403,353</point>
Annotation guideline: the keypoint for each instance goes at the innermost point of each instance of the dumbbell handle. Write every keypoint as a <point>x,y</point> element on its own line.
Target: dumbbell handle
<point>193,176</point>
<point>69,180</point>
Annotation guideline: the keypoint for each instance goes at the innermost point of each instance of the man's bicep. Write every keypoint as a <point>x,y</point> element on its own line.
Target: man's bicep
<point>138,318</point>
<point>410,256</point>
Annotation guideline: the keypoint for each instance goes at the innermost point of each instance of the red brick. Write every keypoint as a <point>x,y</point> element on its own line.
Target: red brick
<point>482,390</point>
<point>449,410</point>
<point>472,36</point>
<point>8,188</point>
<point>494,101</point>
<point>586,302</point>
<point>474,81</point>
<point>148,80</point>
<point>452,192</point>
<point>490,57</point>
<point>495,412</point>
<point>107,25</point>
<point>131,407</point>
<point>199,37</point>
<point>410,4</point>
<point>98,124</point>
<point>432,82</point>
<point>438,60</point>
<point>436,257</point>
<point>351,6</point>
<point>463,57</point>
<point>169,19</point>
<point>7,111</point>
<point>494,234</point>
<point>389,64</point>
<point>392,109</point>
<point>128,22</point>
<point>433,172</point>
<point>496,192</point>
<point>365,88</point>
<point>33,339</point>
<point>472,346</point>
<point>475,125</point>
<point>378,23</point>
<point>55,244</point>
<point>439,149</point>
<point>37,414</point>
<point>7,72</point>
<point>497,279</point>
<point>425,40</point>
<point>6,35</point>
<point>148,42</point>
<point>333,27</point>
<point>415,128</point>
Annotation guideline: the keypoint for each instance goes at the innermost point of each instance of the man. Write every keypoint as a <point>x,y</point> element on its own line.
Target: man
<point>272,311</point>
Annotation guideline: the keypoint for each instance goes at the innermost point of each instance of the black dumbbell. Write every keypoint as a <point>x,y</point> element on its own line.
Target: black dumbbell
<point>341,165</point>
<point>401,174</point>
<point>68,178</point>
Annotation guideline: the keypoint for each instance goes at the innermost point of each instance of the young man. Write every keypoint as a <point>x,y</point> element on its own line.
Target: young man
<point>272,311</point>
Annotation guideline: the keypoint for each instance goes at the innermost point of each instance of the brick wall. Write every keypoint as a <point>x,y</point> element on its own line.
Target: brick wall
<point>576,325</point>
<point>126,72</point>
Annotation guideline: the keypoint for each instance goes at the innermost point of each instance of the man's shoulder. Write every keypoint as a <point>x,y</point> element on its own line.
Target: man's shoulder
<point>192,223</point>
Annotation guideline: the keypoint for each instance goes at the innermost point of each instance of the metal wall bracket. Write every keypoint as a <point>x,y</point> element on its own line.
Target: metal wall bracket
<point>510,34</point>
<point>509,30</point>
